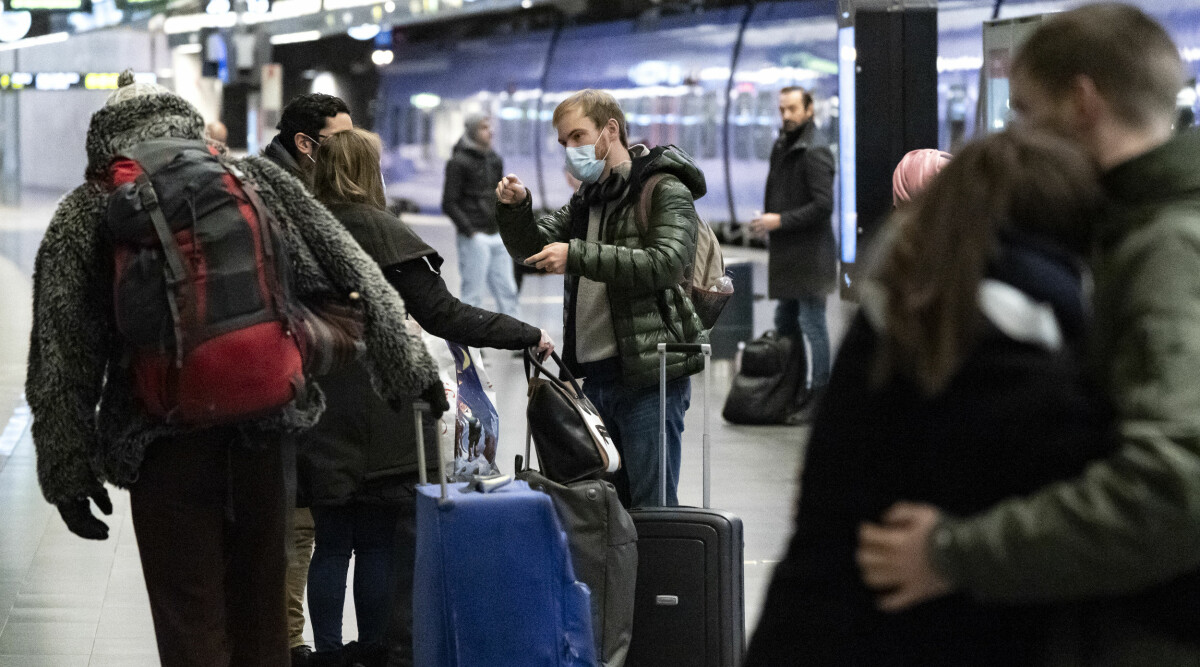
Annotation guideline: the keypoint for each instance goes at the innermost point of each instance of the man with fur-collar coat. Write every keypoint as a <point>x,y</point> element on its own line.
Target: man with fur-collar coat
<point>209,505</point>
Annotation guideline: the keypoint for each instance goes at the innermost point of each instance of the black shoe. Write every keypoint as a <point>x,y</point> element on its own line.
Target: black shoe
<point>806,411</point>
<point>300,655</point>
<point>334,658</point>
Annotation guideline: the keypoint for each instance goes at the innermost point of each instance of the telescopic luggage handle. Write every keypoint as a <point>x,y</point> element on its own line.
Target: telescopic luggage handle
<point>419,410</point>
<point>686,348</point>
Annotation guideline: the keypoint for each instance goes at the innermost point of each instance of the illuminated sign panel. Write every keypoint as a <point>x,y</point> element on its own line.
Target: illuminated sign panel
<point>48,5</point>
<point>67,80</point>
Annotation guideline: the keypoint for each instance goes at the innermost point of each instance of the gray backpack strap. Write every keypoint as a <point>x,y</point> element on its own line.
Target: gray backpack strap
<point>646,201</point>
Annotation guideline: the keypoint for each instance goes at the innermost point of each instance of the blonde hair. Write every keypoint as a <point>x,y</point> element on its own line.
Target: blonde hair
<point>347,169</point>
<point>597,105</point>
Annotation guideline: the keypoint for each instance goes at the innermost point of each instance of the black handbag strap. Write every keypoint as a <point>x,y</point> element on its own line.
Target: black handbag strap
<point>533,368</point>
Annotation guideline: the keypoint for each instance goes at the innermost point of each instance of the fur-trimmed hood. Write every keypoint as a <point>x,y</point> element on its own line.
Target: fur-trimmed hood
<point>119,126</point>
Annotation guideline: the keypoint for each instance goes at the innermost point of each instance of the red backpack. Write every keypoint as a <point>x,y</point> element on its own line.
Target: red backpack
<point>200,287</point>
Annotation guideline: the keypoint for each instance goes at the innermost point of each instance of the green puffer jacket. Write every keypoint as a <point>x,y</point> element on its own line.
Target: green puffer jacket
<point>1130,525</point>
<point>641,270</point>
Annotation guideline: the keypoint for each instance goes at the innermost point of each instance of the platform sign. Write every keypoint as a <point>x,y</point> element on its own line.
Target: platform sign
<point>67,80</point>
<point>48,5</point>
<point>135,5</point>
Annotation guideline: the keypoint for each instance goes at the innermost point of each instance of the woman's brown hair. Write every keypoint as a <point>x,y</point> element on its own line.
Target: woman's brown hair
<point>930,275</point>
<point>347,169</point>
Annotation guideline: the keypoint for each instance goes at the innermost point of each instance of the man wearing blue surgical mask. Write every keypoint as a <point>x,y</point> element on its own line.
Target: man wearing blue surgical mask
<point>622,276</point>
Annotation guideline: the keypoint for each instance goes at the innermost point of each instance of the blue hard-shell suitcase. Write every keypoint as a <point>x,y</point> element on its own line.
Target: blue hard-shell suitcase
<point>493,583</point>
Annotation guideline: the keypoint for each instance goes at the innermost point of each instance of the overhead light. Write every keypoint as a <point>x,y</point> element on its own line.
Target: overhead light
<point>189,48</point>
<point>217,7</point>
<point>383,57</point>
<point>52,38</point>
<point>389,6</point>
<point>526,3</point>
<point>425,101</point>
<point>325,83</point>
<point>363,32</point>
<point>175,25</point>
<point>296,37</point>
<point>284,9</point>
<point>331,5</point>
<point>14,25</point>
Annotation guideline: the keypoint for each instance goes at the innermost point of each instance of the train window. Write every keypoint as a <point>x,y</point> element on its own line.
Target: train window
<point>764,127</point>
<point>712,121</point>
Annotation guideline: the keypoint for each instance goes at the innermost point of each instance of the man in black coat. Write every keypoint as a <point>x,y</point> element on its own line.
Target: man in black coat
<point>306,121</point>
<point>469,199</point>
<point>802,266</point>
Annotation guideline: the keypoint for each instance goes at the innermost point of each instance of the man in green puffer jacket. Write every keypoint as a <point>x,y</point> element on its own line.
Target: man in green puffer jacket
<point>623,294</point>
<point>1122,541</point>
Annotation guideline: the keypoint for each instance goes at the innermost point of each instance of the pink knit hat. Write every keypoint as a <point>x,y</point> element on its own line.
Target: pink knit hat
<point>915,171</point>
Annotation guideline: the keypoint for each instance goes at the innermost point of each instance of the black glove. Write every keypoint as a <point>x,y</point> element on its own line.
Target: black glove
<point>79,518</point>
<point>435,396</point>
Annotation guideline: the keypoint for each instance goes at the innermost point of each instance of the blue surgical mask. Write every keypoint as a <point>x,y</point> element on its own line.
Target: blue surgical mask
<point>583,164</point>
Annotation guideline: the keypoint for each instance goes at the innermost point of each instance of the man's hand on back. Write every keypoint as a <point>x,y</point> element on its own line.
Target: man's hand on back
<point>894,557</point>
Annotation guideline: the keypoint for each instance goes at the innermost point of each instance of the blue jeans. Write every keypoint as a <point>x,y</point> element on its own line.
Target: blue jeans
<point>631,417</point>
<point>368,531</point>
<point>483,258</point>
<point>806,316</point>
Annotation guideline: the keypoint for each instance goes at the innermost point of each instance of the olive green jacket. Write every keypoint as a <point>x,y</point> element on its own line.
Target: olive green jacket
<point>642,270</point>
<point>1132,520</point>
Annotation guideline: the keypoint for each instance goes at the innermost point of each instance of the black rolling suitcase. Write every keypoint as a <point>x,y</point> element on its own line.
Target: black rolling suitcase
<point>689,604</point>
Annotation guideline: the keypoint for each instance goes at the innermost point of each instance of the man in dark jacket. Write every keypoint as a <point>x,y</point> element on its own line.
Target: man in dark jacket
<point>209,504</point>
<point>623,294</point>
<point>306,121</point>
<point>802,266</point>
<point>1106,77</point>
<point>469,199</point>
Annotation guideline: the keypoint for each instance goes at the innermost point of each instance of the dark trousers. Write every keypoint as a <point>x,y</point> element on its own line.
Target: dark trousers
<point>632,419</point>
<point>366,531</point>
<point>210,510</point>
<point>806,316</point>
<point>399,634</point>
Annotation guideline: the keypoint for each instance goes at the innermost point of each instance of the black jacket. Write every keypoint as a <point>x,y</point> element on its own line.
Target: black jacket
<point>1015,417</point>
<point>469,193</point>
<point>362,450</point>
<point>803,255</point>
<point>276,152</point>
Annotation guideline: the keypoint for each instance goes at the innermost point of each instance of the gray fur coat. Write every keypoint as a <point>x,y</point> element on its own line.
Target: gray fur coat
<point>88,427</point>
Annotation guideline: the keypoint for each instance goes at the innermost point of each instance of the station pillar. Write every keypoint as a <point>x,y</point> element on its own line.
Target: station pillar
<point>894,101</point>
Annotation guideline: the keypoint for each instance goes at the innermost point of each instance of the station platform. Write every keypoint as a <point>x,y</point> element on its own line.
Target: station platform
<point>65,601</point>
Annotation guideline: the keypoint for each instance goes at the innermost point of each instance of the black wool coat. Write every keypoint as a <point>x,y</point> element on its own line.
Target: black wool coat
<point>362,450</point>
<point>469,191</point>
<point>803,254</point>
<point>1016,416</point>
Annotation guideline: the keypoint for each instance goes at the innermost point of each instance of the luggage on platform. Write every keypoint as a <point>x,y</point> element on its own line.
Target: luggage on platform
<point>689,605</point>
<point>493,581</point>
<point>770,385</point>
<point>603,544</point>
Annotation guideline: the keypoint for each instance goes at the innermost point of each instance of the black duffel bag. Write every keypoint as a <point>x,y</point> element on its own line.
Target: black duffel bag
<point>770,383</point>
<point>603,544</point>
